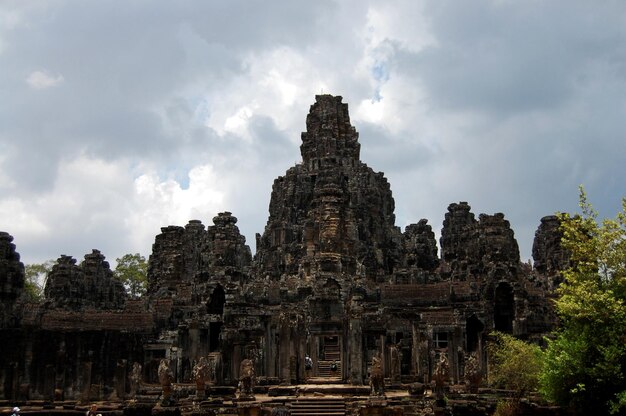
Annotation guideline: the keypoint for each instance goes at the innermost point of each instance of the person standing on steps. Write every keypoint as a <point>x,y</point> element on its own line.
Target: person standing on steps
<point>93,410</point>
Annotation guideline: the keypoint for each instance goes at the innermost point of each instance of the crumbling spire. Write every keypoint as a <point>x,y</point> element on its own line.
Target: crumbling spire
<point>330,139</point>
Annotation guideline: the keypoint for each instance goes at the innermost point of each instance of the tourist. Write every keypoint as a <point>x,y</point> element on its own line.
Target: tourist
<point>92,410</point>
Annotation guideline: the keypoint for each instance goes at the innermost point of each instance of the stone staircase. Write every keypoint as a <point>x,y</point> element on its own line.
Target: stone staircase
<point>324,371</point>
<point>331,354</point>
<point>318,407</point>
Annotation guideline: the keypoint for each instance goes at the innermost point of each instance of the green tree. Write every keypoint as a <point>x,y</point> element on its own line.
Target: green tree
<point>36,275</point>
<point>513,364</point>
<point>585,362</point>
<point>132,271</point>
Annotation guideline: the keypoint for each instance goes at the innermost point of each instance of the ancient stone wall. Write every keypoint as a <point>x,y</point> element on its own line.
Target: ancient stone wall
<point>11,278</point>
<point>420,257</point>
<point>186,256</point>
<point>88,285</point>
<point>550,258</point>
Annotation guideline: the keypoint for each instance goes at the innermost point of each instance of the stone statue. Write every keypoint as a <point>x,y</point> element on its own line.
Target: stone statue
<point>377,378</point>
<point>473,374</point>
<point>440,375</point>
<point>135,380</point>
<point>165,379</point>
<point>396,358</point>
<point>200,376</point>
<point>119,381</point>
<point>247,379</point>
<point>214,363</point>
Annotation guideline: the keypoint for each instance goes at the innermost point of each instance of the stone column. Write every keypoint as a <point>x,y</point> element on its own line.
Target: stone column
<point>49,382</point>
<point>284,352</point>
<point>382,355</point>
<point>267,351</point>
<point>196,348</point>
<point>235,362</point>
<point>25,382</point>
<point>314,355</point>
<point>453,357</point>
<point>85,381</point>
<point>119,378</point>
<point>355,349</point>
<point>415,356</point>
<point>15,377</point>
<point>301,354</point>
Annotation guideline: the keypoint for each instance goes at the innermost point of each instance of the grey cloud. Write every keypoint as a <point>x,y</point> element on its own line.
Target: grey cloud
<point>513,57</point>
<point>529,97</point>
<point>397,154</point>
<point>117,63</point>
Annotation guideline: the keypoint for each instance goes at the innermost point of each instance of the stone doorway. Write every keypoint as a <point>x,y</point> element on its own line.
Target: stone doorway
<point>504,308</point>
<point>329,359</point>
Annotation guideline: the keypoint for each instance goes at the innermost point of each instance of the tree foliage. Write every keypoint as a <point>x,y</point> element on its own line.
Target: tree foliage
<point>132,271</point>
<point>513,364</point>
<point>36,275</point>
<point>585,363</point>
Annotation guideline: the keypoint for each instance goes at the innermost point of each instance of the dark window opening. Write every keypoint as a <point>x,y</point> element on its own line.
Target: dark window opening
<point>216,302</point>
<point>214,336</point>
<point>473,329</point>
<point>504,308</point>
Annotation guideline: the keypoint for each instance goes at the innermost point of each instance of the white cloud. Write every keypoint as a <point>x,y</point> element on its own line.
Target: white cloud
<point>406,24</point>
<point>238,122</point>
<point>42,79</point>
<point>157,203</point>
<point>27,221</point>
<point>370,110</point>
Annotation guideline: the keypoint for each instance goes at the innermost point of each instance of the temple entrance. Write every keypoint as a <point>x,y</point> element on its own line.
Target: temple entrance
<point>329,361</point>
<point>473,330</point>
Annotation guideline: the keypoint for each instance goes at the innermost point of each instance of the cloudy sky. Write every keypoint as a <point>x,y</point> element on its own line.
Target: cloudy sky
<point>120,117</point>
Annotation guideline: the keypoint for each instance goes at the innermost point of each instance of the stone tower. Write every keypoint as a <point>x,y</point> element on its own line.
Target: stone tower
<point>330,214</point>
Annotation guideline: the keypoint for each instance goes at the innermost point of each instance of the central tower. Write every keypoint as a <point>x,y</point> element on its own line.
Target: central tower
<point>331,216</point>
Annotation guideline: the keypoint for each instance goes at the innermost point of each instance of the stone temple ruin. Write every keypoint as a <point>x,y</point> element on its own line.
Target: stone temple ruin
<point>333,279</point>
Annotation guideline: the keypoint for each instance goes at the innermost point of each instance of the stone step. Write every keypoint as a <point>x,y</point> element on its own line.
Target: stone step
<point>321,407</point>
<point>324,380</point>
<point>323,368</point>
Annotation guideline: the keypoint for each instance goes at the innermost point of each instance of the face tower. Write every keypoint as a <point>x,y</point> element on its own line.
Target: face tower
<point>331,215</point>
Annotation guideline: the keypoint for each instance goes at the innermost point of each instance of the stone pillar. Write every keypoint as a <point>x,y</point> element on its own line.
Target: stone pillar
<point>284,353</point>
<point>272,353</point>
<point>176,361</point>
<point>49,382</point>
<point>194,343</point>
<point>301,354</point>
<point>28,359</point>
<point>355,348</point>
<point>415,355</point>
<point>382,354</point>
<point>12,373</point>
<point>119,379</point>
<point>423,348</point>
<point>453,358</point>
<point>84,379</point>
<point>394,364</point>
<point>267,348</point>
<point>235,361</point>
<point>314,355</point>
